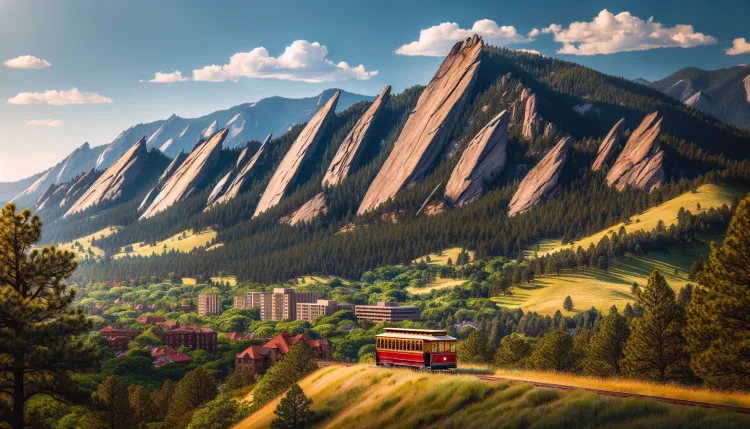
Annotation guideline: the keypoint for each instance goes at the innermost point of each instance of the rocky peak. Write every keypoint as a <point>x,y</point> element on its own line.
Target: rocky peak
<point>609,145</point>
<point>115,181</point>
<point>188,176</point>
<point>531,119</point>
<point>346,157</point>
<point>747,87</point>
<point>639,166</point>
<point>79,187</point>
<point>483,158</point>
<point>699,101</point>
<point>309,211</point>
<point>430,124</point>
<point>171,168</point>
<point>541,182</point>
<point>301,149</point>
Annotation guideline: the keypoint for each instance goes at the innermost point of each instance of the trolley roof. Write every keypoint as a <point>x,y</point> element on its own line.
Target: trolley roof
<point>417,331</point>
<point>421,336</point>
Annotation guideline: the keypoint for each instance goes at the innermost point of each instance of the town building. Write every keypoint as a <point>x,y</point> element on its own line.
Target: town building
<point>209,304</point>
<point>150,320</point>
<point>260,300</point>
<point>386,312</point>
<point>322,307</point>
<point>281,304</point>
<point>192,337</point>
<point>166,355</point>
<point>119,338</point>
<point>257,359</point>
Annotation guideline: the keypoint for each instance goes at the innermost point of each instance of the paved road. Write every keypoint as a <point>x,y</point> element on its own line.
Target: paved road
<point>680,402</point>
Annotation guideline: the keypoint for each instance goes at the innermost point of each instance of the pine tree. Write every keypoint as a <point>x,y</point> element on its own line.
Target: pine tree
<point>195,389</point>
<point>513,352</point>
<point>568,303</point>
<point>299,362</point>
<point>476,348</point>
<point>496,333</point>
<point>41,340</point>
<point>553,352</point>
<point>161,398</point>
<point>111,408</point>
<point>605,348</point>
<point>140,402</point>
<point>656,348</point>
<point>293,410</point>
<point>718,321</point>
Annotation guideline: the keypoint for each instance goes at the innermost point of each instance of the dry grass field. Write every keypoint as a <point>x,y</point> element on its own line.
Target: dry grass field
<point>182,242</point>
<point>82,252</point>
<point>442,259</point>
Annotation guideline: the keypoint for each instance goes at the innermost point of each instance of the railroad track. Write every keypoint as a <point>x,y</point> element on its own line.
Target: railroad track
<point>671,401</point>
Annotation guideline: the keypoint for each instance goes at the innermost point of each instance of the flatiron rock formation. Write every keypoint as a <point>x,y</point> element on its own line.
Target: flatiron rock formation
<point>241,181</point>
<point>218,189</point>
<point>250,149</point>
<point>747,87</point>
<point>346,157</point>
<point>640,165</point>
<point>541,182</point>
<point>481,160</point>
<point>430,124</point>
<point>188,176</point>
<point>305,144</point>
<point>530,128</point>
<point>609,145</point>
<point>79,187</point>
<point>309,211</point>
<point>115,181</point>
<point>550,130</point>
<point>171,168</point>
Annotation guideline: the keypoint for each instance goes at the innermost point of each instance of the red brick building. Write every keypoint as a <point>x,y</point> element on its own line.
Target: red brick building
<point>150,320</point>
<point>192,337</point>
<point>257,359</point>
<point>119,338</point>
<point>166,355</point>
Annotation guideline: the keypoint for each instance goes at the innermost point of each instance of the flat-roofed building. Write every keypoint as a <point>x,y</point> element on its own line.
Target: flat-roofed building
<point>387,312</point>
<point>209,303</point>
<point>322,307</point>
<point>192,337</point>
<point>260,300</point>
<point>284,303</point>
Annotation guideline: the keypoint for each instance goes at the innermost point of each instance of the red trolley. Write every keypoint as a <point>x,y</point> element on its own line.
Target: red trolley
<point>431,349</point>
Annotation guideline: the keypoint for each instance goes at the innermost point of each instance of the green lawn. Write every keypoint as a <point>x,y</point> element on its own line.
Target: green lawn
<point>603,289</point>
<point>442,259</point>
<point>190,241</point>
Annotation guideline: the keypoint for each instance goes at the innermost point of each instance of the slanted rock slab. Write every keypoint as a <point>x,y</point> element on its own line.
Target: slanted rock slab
<point>609,145</point>
<point>541,182</point>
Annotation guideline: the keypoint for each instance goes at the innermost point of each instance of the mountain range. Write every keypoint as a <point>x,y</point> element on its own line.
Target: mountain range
<point>723,93</point>
<point>245,122</point>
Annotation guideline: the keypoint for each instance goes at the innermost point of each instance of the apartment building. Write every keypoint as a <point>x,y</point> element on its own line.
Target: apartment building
<point>386,312</point>
<point>208,304</point>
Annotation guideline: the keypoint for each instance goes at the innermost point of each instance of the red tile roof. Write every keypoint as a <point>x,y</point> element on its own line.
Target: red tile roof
<point>254,352</point>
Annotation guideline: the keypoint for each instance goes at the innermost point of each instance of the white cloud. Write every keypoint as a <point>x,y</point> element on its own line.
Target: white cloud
<point>45,123</point>
<point>534,32</point>
<point>160,77</point>
<point>301,61</point>
<point>437,41</point>
<point>608,33</point>
<point>59,98</point>
<point>27,62</point>
<point>739,46</point>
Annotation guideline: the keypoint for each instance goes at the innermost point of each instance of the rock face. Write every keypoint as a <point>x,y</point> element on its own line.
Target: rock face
<point>515,111</point>
<point>550,130</point>
<point>530,119</point>
<point>429,126</point>
<point>188,176</point>
<point>115,181</point>
<point>242,178</point>
<point>483,158</point>
<point>747,87</point>
<point>609,145</point>
<point>218,189</point>
<point>346,157</point>
<point>699,101</point>
<point>250,149</point>
<point>79,187</point>
<point>301,149</point>
<point>639,166</point>
<point>171,168</point>
<point>309,211</point>
<point>541,182</point>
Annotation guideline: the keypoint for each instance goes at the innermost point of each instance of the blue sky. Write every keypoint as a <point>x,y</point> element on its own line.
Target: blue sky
<point>106,48</point>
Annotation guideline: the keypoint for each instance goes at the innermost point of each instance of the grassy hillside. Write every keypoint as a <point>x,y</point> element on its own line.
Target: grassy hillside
<point>371,397</point>
<point>84,244</point>
<point>708,196</point>
<point>439,283</point>
<point>602,289</point>
<point>183,242</point>
<point>442,258</point>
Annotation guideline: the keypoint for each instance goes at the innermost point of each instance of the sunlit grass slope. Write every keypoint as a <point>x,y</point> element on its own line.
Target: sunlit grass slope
<point>442,259</point>
<point>439,283</point>
<point>85,243</point>
<point>602,289</point>
<point>708,196</point>
<point>370,397</point>
<point>182,242</point>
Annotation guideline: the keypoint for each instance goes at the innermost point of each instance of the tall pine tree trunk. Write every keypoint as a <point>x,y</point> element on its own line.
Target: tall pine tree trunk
<point>18,392</point>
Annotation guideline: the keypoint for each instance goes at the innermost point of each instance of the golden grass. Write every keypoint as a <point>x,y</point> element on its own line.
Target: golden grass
<point>602,289</point>
<point>442,259</point>
<point>232,280</point>
<point>672,391</point>
<point>439,283</point>
<point>708,196</point>
<point>318,279</point>
<point>86,243</point>
<point>191,241</point>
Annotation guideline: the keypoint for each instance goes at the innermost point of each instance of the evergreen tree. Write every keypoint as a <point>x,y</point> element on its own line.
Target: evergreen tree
<point>140,402</point>
<point>553,352</point>
<point>568,303</point>
<point>581,341</point>
<point>293,411</point>
<point>161,398</point>
<point>513,352</point>
<point>221,413</point>
<point>496,333</point>
<point>656,348</point>
<point>605,349</point>
<point>476,348</point>
<point>296,364</point>
<point>111,409</point>
<point>41,335</point>
<point>718,321</point>
<point>196,388</point>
